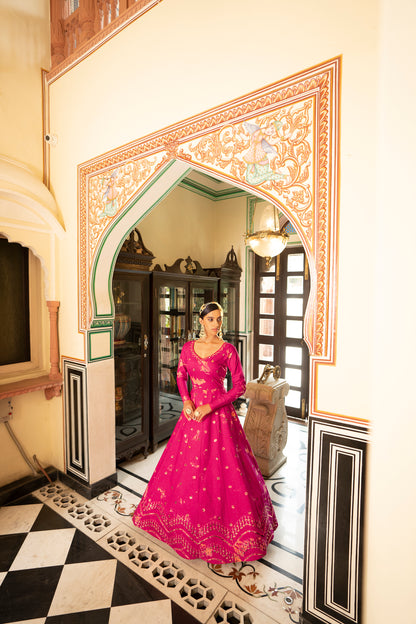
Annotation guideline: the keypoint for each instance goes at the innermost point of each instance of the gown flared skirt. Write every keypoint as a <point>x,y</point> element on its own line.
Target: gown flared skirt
<point>207,498</point>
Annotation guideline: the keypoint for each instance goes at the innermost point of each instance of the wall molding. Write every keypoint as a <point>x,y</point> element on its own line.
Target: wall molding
<point>206,190</point>
<point>76,419</point>
<point>334,528</point>
<point>100,344</point>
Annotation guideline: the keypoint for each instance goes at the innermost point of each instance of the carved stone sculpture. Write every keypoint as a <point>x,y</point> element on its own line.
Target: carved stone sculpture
<point>266,423</point>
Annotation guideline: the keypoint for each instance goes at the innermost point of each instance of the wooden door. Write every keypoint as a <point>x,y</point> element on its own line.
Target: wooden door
<point>170,332</point>
<point>281,296</point>
<point>131,362</point>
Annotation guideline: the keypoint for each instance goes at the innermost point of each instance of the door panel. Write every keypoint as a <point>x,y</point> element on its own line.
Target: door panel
<point>170,327</point>
<point>176,304</point>
<point>281,296</point>
<point>200,293</point>
<point>131,362</point>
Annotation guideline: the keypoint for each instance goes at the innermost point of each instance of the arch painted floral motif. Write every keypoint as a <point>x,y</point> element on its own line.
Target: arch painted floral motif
<point>279,143</point>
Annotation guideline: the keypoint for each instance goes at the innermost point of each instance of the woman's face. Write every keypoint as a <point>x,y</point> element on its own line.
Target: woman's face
<point>212,322</point>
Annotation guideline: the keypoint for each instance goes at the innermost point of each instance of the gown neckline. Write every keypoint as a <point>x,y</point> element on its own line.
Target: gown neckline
<point>208,356</point>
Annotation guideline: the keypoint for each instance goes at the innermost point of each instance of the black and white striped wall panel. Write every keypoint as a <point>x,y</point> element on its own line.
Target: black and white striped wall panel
<point>76,426</point>
<point>334,522</point>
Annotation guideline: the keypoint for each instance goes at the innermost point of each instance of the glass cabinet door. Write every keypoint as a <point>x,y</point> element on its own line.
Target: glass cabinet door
<point>172,336</point>
<point>200,293</point>
<point>229,305</point>
<point>175,321</point>
<point>131,342</point>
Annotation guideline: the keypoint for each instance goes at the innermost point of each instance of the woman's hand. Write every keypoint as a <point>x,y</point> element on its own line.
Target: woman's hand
<point>188,409</point>
<point>201,411</point>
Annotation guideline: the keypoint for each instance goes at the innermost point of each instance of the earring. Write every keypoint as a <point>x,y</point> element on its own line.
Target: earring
<point>219,334</point>
<point>202,333</point>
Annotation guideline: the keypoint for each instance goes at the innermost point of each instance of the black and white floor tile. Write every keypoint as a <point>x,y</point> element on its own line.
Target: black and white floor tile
<point>66,560</point>
<point>52,572</point>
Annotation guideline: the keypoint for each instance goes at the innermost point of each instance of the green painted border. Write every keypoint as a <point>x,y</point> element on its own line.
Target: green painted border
<point>251,202</point>
<point>105,320</point>
<point>209,193</point>
<point>103,323</point>
<point>110,316</point>
<point>104,357</point>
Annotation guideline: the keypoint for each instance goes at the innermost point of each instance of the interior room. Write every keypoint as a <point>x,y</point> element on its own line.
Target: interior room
<point>142,144</point>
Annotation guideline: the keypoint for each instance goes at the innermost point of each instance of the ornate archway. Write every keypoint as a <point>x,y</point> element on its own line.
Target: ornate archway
<point>279,143</point>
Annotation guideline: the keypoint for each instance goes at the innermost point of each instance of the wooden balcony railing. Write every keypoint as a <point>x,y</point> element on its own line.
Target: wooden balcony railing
<point>69,30</point>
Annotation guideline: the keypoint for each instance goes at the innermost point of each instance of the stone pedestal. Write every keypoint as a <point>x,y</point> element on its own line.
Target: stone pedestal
<point>266,423</point>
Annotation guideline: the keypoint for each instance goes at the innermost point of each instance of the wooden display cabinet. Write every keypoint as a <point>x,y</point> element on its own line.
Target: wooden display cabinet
<point>229,292</point>
<point>156,312</point>
<point>131,292</point>
<point>176,302</point>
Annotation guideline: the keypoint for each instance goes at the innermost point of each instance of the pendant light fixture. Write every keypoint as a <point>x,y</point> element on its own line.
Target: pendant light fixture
<point>264,237</point>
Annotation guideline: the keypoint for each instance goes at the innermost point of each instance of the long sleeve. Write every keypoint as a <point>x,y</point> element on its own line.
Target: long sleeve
<point>182,379</point>
<point>237,378</point>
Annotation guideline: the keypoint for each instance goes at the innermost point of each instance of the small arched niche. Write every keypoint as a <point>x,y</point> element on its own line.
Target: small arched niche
<point>29,218</point>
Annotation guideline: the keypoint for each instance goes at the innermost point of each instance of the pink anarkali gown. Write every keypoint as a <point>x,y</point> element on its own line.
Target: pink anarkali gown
<point>207,498</point>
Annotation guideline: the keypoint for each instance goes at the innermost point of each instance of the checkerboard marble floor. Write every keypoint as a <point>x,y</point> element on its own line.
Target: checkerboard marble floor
<point>52,572</point>
<point>67,560</point>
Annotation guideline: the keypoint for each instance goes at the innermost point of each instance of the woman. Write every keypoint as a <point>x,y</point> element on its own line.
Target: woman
<point>207,498</point>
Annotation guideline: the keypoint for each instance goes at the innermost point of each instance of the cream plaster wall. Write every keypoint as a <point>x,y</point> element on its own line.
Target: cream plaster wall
<point>24,50</point>
<point>182,224</point>
<point>38,425</point>
<point>230,229</point>
<point>111,98</point>
<point>391,506</point>
<point>100,378</point>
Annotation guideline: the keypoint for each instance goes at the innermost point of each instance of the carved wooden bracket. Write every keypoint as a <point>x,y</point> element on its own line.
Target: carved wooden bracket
<point>134,253</point>
<point>231,261</point>
<point>193,267</point>
<point>54,390</point>
<point>51,387</point>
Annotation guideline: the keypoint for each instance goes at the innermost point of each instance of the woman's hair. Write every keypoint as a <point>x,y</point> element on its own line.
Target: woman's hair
<point>209,307</point>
